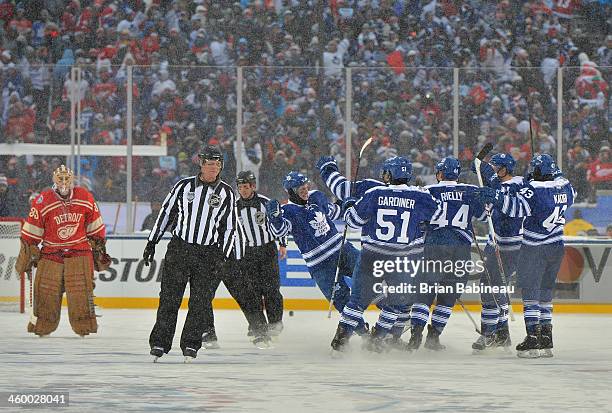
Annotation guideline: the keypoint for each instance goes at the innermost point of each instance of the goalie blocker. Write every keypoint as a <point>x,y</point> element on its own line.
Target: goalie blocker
<point>67,222</point>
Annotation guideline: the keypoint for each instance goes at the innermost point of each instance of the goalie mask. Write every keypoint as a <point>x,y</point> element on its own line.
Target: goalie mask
<point>63,180</point>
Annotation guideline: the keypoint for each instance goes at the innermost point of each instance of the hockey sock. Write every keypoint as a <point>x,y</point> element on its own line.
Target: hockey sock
<point>400,323</point>
<point>489,318</point>
<point>419,315</point>
<point>440,316</point>
<point>351,318</point>
<point>386,321</point>
<point>546,310</point>
<point>531,310</point>
<point>503,316</point>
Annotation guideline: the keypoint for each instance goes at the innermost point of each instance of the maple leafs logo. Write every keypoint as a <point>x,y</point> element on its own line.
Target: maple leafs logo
<point>319,224</point>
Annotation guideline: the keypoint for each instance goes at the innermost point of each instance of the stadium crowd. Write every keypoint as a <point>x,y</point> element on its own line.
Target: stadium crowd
<point>184,56</point>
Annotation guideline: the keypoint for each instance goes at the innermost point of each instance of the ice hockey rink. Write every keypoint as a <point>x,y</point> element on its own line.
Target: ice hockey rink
<point>112,370</point>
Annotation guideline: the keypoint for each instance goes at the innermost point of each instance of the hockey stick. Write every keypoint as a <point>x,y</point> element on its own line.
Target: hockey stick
<point>336,286</point>
<point>477,161</point>
<point>33,318</point>
<point>469,315</point>
<point>481,255</point>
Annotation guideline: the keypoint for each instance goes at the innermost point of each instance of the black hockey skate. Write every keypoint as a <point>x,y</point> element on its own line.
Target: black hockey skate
<point>209,340</point>
<point>545,340</point>
<point>432,341</point>
<point>484,342</point>
<point>530,347</point>
<point>190,354</point>
<point>340,341</point>
<point>416,337</point>
<point>262,341</point>
<point>156,352</point>
<point>274,329</point>
<point>396,343</point>
<point>502,338</point>
<point>375,342</point>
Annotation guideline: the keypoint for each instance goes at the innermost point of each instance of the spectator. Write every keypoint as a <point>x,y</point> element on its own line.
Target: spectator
<point>577,225</point>
<point>599,173</point>
<point>149,220</point>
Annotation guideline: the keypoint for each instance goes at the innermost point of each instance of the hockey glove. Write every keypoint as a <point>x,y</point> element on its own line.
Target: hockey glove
<point>327,163</point>
<point>348,203</point>
<point>487,195</point>
<point>486,170</point>
<point>273,210</point>
<point>149,253</point>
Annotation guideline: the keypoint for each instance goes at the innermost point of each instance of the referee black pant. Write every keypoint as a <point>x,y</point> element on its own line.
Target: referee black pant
<point>243,291</point>
<point>260,267</point>
<point>186,263</point>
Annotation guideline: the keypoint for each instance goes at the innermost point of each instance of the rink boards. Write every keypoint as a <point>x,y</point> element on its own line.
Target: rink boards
<point>584,282</point>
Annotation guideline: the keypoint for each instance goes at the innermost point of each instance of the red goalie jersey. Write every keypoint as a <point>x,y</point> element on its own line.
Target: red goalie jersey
<point>63,224</point>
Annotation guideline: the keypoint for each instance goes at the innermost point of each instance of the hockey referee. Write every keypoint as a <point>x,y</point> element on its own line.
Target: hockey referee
<point>203,241</point>
<point>260,262</point>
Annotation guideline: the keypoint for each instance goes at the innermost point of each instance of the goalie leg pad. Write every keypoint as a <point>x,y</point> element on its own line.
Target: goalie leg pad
<point>78,282</point>
<point>47,297</point>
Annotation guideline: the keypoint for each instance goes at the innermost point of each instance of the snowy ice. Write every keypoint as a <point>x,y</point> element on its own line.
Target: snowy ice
<point>112,370</point>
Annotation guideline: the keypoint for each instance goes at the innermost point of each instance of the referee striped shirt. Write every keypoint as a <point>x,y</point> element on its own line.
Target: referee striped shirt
<point>252,215</point>
<point>203,214</point>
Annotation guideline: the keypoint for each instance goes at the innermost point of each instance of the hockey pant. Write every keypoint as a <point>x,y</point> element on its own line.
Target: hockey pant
<point>259,267</point>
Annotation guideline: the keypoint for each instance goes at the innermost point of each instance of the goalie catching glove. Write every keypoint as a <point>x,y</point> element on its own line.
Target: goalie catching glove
<point>102,260</point>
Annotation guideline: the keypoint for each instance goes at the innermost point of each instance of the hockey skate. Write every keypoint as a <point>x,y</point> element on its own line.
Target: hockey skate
<point>209,340</point>
<point>432,341</point>
<point>484,342</point>
<point>416,337</point>
<point>190,354</point>
<point>396,343</point>
<point>375,342</point>
<point>545,341</point>
<point>156,352</point>
<point>262,341</point>
<point>530,347</point>
<point>340,341</point>
<point>502,339</point>
<point>274,329</point>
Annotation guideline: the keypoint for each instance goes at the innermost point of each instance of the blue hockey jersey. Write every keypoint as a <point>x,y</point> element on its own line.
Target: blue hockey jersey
<point>458,208</point>
<point>312,227</point>
<point>390,217</point>
<point>508,230</point>
<point>543,204</point>
<point>341,187</point>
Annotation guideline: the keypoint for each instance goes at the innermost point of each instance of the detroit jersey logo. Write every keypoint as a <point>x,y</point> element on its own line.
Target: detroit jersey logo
<point>319,224</point>
<point>67,231</point>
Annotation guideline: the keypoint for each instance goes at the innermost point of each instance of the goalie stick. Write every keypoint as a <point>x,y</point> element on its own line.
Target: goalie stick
<point>33,318</point>
<point>352,192</point>
<point>477,161</point>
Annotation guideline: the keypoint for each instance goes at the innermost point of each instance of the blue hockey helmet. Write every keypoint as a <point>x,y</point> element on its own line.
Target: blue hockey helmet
<point>398,168</point>
<point>505,160</point>
<point>294,180</point>
<point>450,167</point>
<point>543,165</point>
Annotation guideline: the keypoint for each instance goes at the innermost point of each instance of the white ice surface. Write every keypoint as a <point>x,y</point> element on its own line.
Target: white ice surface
<point>112,371</point>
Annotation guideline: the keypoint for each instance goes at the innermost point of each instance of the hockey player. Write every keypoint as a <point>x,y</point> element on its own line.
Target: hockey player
<point>389,217</point>
<point>309,216</point>
<point>67,221</point>
<point>497,174</point>
<point>260,262</point>
<point>449,238</point>
<point>340,186</point>
<point>543,202</point>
